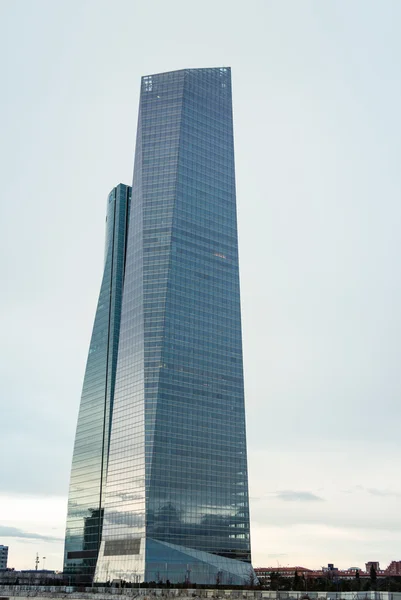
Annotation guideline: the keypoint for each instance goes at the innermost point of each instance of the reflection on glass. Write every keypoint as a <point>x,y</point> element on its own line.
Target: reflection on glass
<point>89,463</point>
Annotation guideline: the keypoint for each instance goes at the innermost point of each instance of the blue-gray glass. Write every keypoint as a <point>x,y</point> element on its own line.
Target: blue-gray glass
<point>89,463</point>
<point>176,506</point>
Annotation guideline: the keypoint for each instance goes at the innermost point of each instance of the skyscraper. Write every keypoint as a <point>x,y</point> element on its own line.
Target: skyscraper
<point>175,506</point>
<point>89,463</point>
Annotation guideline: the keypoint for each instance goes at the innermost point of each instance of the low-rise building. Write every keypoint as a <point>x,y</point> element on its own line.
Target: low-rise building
<point>331,572</point>
<point>394,569</point>
<point>373,564</point>
<point>30,577</point>
<point>286,572</point>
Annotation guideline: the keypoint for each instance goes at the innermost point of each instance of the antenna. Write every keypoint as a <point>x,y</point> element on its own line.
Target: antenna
<point>36,561</point>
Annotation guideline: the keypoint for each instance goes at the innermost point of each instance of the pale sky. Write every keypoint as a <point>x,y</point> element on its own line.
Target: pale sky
<point>317,97</point>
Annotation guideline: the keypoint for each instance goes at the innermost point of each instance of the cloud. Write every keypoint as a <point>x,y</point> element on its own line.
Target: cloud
<point>327,517</point>
<point>294,496</point>
<point>6,531</point>
<point>383,493</point>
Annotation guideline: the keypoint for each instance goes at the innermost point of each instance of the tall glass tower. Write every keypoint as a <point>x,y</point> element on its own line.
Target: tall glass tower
<point>91,449</point>
<point>175,506</point>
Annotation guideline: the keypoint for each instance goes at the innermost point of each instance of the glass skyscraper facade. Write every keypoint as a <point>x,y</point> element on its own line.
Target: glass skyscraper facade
<point>173,500</point>
<point>91,449</point>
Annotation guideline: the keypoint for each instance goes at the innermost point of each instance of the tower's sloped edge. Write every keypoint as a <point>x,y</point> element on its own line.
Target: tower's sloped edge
<point>90,456</point>
<point>167,562</point>
<point>121,559</point>
<point>189,565</point>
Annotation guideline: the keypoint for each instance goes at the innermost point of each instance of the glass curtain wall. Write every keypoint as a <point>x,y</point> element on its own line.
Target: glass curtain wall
<point>176,506</point>
<point>90,457</point>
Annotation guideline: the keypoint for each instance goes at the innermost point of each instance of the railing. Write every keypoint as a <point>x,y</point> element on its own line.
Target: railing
<point>30,591</point>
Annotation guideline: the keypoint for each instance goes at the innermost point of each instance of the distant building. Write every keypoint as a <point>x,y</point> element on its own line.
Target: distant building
<point>330,567</point>
<point>394,568</point>
<point>3,556</point>
<point>373,564</point>
<point>286,572</point>
<point>330,572</point>
<point>31,577</point>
